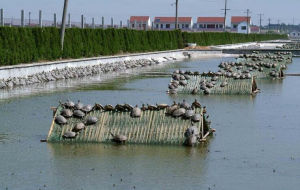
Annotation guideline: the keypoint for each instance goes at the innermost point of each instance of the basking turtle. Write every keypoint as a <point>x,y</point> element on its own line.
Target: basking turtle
<point>120,139</point>
<point>183,82</point>
<point>172,108</point>
<point>128,107</point>
<point>162,106</point>
<point>151,107</point>
<point>172,91</point>
<point>98,107</point>
<point>69,135</point>
<point>120,107</point>
<point>108,107</point>
<point>78,127</point>
<point>223,84</point>
<point>69,104</point>
<point>136,112</point>
<point>185,105</point>
<point>196,118</point>
<point>79,105</point>
<point>61,120</point>
<point>191,135</point>
<point>196,104</point>
<point>78,114</point>
<point>195,91</point>
<point>144,108</point>
<point>87,108</point>
<point>67,113</point>
<point>179,112</point>
<point>191,131</point>
<point>189,113</point>
<point>91,120</point>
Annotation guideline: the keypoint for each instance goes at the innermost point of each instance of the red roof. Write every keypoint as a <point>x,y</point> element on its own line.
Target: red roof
<point>210,20</point>
<point>172,19</point>
<point>239,19</point>
<point>255,28</point>
<point>139,18</point>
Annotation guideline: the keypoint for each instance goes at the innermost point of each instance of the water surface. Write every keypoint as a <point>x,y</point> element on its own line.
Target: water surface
<point>256,145</point>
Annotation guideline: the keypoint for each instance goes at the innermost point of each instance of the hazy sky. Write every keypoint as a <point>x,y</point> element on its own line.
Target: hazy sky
<point>283,10</point>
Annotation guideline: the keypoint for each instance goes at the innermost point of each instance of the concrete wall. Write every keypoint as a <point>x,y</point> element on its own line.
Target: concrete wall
<point>30,69</point>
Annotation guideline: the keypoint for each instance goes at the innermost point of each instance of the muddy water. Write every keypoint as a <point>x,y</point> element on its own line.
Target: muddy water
<point>256,145</point>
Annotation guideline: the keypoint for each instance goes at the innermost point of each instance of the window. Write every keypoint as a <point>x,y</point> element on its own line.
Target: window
<point>157,25</point>
<point>211,26</point>
<point>244,27</point>
<point>201,26</point>
<point>182,26</point>
<point>235,26</point>
<point>161,26</point>
<point>132,25</point>
<point>187,26</point>
<point>140,25</point>
<point>220,25</point>
<point>167,25</point>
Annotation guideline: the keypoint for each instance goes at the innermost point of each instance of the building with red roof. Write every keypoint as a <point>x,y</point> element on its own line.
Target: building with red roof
<point>168,23</point>
<point>241,24</point>
<point>140,22</point>
<point>214,24</point>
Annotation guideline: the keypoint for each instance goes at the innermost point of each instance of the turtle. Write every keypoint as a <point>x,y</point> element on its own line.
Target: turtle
<point>196,104</point>
<point>108,107</point>
<point>191,131</point>
<point>223,84</point>
<point>78,113</point>
<point>144,108</point>
<point>91,120</point>
<point>69,104</point>
<point>79,105</point>
<point>195,91</point>
<point>87,108</point>
<point>183,82</point>
<point>189,113</point>
<point>128,107</point>
<point>171,86</point>
<point>67,113</point>
<point>120,107</point>
<point>196,118</point>
<point>172,91</point>
<point>78,127</point>
<point>69,135</point>
<point>120,139</point>
<point>151,107</point>
<point>98,107</point>
<point>179,112</point>
<point>136,112</point>
<point>184,104</point>
<point>162,106</point>
<point>171,109</point>
<point>61,120</point>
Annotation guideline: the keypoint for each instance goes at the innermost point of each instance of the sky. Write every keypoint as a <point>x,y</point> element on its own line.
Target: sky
<point>276,10</point>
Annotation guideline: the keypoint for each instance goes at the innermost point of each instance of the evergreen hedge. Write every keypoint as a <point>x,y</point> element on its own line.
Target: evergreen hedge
<point>25,45</point>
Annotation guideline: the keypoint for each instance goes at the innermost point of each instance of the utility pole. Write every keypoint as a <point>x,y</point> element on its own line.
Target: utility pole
<point>1,18</point>
<point>22,18</point>
<point>269,23</point>
<point>248,12</point>
<point>29,18</point>
<point>69,20</point>
<point>260,20</point>
<point>40,18</point>
<point>278,25</point>
<point>176,16</point>
<point>63,24</point>
<point>225,14</point>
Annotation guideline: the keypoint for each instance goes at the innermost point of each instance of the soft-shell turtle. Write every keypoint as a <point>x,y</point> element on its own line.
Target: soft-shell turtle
<point>91,120</point>
<point>78,127</point>
<point>136,112</point>
<point>69,135</point>
<point>61,120</point>
<point>78,113</point>
<point>119,138</point>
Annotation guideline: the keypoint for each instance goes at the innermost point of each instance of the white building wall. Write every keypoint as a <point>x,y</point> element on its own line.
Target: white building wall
<point>243,27</point>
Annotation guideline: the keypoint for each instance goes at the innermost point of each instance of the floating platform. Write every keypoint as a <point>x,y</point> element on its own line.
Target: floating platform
<point>152,127</point>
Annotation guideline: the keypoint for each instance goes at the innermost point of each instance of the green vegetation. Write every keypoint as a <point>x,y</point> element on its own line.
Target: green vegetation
<point>25,45</point>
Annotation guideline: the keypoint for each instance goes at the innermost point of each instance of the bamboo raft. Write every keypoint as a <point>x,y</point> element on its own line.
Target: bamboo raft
<point>234,86</point>
<point>152,127</point>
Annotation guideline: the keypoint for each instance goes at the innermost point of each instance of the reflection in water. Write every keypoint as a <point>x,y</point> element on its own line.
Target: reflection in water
<point>128,165</point>
<point>3,138</point>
